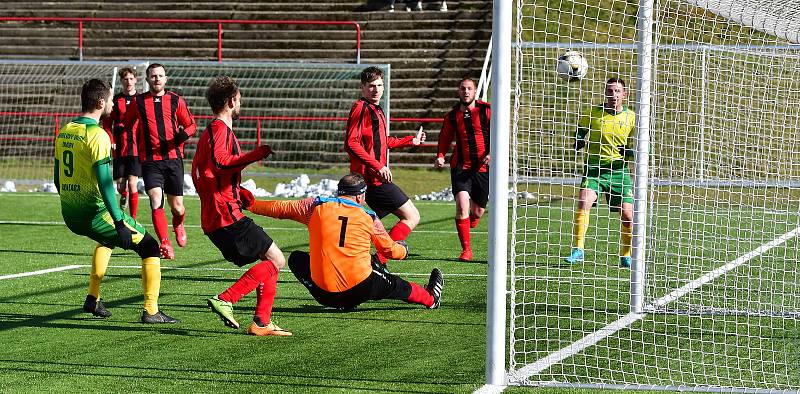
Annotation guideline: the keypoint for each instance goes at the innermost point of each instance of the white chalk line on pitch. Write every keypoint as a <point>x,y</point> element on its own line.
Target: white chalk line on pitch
<point>536,277</point>
<point>546,362</point>
<point>196,226</point>
<point>463,275</point>
<point>41,272</point>
<point>211,269</point>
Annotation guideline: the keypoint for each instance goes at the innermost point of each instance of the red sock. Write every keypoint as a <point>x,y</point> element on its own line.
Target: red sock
<point>400,231</point>
<point>473,220</point>
<point>160,224</point>
<point>134,202</point>
<point>265,293</point>
<point>419,295</point>
<point>249,281</point>
<point>462,227</point>
<point>123,193</point>
<point>177,220</point>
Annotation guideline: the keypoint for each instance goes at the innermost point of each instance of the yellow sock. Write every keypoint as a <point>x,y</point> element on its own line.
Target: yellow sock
<point>581,225</point>
<point>99,265</point>
<point>151,283</point>
<point>626,233</point>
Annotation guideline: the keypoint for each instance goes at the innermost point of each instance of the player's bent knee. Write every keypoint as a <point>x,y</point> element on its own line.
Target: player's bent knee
<point>147,247</point>
<point>275,255</point>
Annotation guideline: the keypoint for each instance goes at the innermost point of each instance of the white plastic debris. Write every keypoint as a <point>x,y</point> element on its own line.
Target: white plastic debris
<point>49,188</point>
<point>302,187</point>
<point>445,195</point>
<point>9,186</point>
<point>257,191</point>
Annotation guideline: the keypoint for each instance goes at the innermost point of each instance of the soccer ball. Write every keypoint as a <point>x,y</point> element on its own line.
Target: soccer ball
<point>572,66</point>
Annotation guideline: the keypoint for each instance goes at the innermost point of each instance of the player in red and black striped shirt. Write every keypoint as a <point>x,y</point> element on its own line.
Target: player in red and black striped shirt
<point>127,168</point>
<point>164,125</point>
<point>216,171</point>
<point>367,143</point>
<point>468,123</point>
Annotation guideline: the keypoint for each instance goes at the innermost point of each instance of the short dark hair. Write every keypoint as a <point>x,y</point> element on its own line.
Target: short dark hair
<point>221,89</point>
<point>152,66</point>
<point>616,80</point>
<point>467,79</point>
<point>370,74</point>
<point>127,70</point>
<point>94,90</point>
<point>350,180</point>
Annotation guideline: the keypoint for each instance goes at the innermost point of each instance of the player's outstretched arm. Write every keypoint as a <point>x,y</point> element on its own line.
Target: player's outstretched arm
<point>225,161</point>
<point>299,211</point>
<point>394,142</point>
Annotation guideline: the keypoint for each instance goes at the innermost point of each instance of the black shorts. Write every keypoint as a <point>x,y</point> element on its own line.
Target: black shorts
<point>126,166</point>
<point>166,174</point>
<point>241,243</point>
<point>385,199</point>
<point>472,182</point>
<point>379,285</point>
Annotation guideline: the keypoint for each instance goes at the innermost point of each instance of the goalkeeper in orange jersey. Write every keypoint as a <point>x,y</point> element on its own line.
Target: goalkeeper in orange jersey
<point>82,174</point>
<point>338,271</point>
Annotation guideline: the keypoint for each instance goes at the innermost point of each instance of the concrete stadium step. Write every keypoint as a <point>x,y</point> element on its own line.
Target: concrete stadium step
<point>428,51</point>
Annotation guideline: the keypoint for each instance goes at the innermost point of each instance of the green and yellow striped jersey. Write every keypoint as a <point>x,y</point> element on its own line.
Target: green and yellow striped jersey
<point>607,132</point>
<point>81,146</point>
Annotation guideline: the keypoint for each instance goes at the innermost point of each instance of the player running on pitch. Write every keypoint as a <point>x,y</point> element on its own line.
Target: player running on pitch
<point>216,171</point>
<point>82,174</point>
<point>468,124</point>
<point>607,133</point>
<point>164,125</point>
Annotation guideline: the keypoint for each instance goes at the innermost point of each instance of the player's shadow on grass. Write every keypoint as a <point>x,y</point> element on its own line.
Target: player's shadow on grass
<point>53,252</point>
<point>219,375</point>
<point>83,320</point>
<point>454,260</point>
<point>448,219</point>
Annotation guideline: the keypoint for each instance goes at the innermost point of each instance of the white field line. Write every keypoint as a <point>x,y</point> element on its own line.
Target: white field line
<point>284,270</point>
<point>458,275</point>
<point>265,228</point>
<point>591,339</point>
<point>41,272</point>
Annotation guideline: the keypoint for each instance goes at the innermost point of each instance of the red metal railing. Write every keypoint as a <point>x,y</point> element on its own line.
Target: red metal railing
<point>258,119</point>
<point>218,22</point>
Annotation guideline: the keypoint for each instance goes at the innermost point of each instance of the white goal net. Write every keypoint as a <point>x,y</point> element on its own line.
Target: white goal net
<point>712,300</point>
<point>300,109</point>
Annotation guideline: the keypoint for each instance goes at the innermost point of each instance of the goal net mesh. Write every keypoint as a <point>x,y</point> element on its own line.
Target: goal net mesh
<point>721,290</point>
<point>300,109</point>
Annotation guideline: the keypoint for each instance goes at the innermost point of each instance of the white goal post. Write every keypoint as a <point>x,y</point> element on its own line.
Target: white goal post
<point>711,301</point>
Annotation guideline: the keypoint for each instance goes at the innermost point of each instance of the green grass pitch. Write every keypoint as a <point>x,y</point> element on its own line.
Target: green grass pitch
<point>50,345</point>
<point>388,346</point>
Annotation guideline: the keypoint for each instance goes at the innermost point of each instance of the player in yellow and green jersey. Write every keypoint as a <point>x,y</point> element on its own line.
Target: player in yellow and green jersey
<point>82,174</point>
<point>607,134</point>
